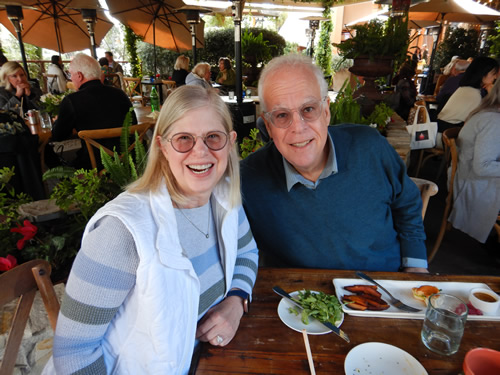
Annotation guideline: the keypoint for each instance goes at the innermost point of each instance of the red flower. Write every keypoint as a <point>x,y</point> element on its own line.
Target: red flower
<point>28,231</point>
<point>7,263</point>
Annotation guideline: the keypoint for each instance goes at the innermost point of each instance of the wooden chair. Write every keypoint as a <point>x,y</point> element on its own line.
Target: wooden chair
<point>91,136</point>
<point>114,80</point>
<point>427,189</point>
<point>440,82</point>
<point>134,89</point>
<point>169,87</point>
<point>22,282</point>
<point>449,139</point>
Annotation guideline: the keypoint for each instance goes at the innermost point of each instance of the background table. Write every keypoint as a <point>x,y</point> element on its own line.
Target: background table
<point>264,345</point>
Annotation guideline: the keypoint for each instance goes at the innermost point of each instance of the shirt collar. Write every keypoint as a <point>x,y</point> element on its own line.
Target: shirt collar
<point>293,177</point>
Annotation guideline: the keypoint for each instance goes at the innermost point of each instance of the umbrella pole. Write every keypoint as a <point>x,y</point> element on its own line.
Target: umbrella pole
<point>23,54</point>
<point>237,49</point>
<point>154,44</point>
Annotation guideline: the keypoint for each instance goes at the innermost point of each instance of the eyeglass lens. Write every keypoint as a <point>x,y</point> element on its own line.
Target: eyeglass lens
<point>282,117</point>
<point>184,142</point>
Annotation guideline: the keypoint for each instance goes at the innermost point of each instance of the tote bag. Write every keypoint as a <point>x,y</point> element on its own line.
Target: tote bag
<point>423,135</point>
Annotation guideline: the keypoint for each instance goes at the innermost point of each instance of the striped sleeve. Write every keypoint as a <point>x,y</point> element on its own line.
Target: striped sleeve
<point>247,260</point>
<point>102,276</point>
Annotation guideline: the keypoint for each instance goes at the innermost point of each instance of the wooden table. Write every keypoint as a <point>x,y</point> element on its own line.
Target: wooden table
<point>398,137</point>
<point>143,115</point>
<point>264,345</point>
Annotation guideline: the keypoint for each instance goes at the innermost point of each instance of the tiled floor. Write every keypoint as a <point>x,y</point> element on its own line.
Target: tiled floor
<point>458,253</point>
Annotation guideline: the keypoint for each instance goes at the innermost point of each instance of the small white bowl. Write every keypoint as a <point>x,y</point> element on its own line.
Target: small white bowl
<point>487,307</point>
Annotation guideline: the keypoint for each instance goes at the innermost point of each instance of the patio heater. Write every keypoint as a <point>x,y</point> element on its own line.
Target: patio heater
<point>236,13</point>
<point>15,15</point>
<point>90,18</point>
<point>311,32</point>
<point>192,13</point>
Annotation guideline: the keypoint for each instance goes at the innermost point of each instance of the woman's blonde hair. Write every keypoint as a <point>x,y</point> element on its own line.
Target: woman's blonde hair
<point>10,67</point>
<point>182,62</point>
<point>183,100</point>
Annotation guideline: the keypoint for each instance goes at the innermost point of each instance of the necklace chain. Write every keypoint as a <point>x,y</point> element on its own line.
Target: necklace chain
<point>207,235</point>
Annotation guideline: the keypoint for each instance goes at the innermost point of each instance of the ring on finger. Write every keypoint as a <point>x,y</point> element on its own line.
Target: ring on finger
<point>219,339</point>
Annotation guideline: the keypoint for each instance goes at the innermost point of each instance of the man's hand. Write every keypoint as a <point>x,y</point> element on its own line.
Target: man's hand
<point>416,269</point>
<point>220,323</point>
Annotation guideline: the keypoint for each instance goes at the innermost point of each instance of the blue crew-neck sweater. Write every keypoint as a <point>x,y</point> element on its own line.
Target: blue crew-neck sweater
<point>367,216</point>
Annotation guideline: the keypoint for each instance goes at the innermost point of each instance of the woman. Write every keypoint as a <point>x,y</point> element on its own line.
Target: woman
<point>181,70</point>
<point>226,76</point>
<point>156,263</point>
<point>200,76</point>
<point>56,85</point>
<point>16,93</point>
<point>481,73</point>
<point>476,195</point>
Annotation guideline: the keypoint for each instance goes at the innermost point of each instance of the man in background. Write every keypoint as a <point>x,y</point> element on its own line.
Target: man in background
<point>93,106</point>
<point>320,196</point>
<point>113,65</point>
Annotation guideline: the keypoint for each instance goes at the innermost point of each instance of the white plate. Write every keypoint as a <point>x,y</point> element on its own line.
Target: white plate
<point>378,358</point>
<point>293,321</point>
<point>401,290</point>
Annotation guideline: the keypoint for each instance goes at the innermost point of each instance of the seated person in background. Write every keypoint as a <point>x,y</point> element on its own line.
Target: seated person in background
<point>113,65</point>
<point>181,70</point>
<point>476,194</point>
<point>452,83</point>
<point>56,85</point>
<point>322,196</point>
<point>104,63</point>
<point>199,76</point>
<point>93,106</point>
<point>16,93</point>
<point>405,91</point>
<point>226,76</point>
<point>481,73</point>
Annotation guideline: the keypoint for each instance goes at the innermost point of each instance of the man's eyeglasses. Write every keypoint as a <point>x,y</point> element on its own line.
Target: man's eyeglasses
<point>283,117</point>
<point>184,142</point>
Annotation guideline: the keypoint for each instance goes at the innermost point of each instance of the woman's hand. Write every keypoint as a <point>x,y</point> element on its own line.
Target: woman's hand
<point>23,88</point>
<point>220,323</point>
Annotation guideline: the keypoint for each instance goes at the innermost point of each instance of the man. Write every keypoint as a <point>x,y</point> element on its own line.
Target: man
<point>327,197</point>
<point>113,65</point>
<point>451,84</point>
<point>93,106</point>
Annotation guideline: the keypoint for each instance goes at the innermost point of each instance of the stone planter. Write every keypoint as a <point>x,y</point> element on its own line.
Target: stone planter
<point>370,70</point>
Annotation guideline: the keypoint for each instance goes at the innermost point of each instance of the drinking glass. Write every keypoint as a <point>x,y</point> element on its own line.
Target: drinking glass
<point>231,95</point>
<point>46,121</point>
<point>444,323</point>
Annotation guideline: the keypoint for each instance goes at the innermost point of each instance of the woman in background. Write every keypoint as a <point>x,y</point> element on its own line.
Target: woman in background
<point>200,76</point>
<point>480,74</point>
<point>56,85</point>
<point>181,70</point>
<point>16,93</point>
<point>169,262</point>
<point>226,76</point>
<point>476,195</point>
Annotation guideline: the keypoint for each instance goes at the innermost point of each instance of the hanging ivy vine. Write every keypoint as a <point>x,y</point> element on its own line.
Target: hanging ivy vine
<point>324,48</point>
<point>131,47</point>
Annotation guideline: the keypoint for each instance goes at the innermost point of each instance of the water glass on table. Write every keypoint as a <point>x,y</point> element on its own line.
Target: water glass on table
<point>444,323</point>
<point>45,120</point>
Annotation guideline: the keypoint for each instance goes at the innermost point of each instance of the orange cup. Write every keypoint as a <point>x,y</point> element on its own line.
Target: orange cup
<point>482,361</point>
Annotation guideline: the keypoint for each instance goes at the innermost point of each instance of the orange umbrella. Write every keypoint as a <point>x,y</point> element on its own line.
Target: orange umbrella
<point>58,24</point>
<point>157,22</point>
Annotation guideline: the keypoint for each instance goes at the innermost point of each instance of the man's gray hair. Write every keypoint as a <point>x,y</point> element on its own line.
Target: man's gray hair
<point>86,65</point>
<point>291,61</point>
<point>461,65</point>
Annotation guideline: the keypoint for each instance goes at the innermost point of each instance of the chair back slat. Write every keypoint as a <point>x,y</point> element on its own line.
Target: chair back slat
<point>22,282</point>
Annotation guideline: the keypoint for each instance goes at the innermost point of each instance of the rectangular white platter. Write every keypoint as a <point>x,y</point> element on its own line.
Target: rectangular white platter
<point>401,289</point>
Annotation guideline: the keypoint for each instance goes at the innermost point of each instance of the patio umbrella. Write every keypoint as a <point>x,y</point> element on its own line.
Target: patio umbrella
<point>59,25</point>
<point>453,11</point>
<point>157,22</point>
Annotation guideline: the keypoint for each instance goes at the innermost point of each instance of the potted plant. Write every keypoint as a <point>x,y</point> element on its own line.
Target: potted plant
<point>376,48</point>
